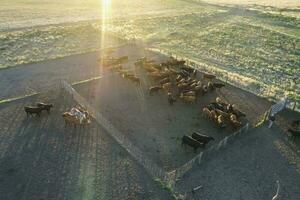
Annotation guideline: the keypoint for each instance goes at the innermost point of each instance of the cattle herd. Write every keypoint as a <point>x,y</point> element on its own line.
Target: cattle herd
<point>75,116</point>
<point>177,80</point>
<point>221,113</point>
<point>181,82</point>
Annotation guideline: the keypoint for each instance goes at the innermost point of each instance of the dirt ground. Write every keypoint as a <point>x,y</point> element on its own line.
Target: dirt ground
<point>150,122</point>
<point>42,159</point>
<point>247,169</point>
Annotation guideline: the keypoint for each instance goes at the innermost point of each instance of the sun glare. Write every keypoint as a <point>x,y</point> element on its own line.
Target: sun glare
<point>106,8</point>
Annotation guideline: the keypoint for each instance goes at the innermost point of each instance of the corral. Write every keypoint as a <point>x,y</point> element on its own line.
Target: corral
<point>147,119</point>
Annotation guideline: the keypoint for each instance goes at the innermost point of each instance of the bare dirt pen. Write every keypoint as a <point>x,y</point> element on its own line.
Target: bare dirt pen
<point>148,120</point>
<point>42,159</point>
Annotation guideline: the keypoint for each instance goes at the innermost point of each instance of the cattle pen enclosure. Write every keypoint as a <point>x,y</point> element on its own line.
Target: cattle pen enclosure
<point>148,121</point>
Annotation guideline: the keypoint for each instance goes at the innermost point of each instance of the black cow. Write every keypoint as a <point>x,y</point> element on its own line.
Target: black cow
<point>154,89</point>
<point>183,73</point>
<point>45,106</point>
<point>187,69</point>
<point>218,85</point>
<point>220,106</point>
<point>202,138</point>
<point>188,140</point>
<point>30,110</point>
<point>294,133</point>
<point>235,111</point>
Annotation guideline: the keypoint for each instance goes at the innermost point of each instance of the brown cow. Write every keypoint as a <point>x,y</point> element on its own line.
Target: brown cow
<point>221,121</point>
<point>167,86</point>
<point>188,99</point>
<point>165,80</point>
<point>206,113</point>
<point>155,89</point>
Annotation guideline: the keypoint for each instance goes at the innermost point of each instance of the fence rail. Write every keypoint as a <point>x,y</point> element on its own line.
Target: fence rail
<point>137,154</point>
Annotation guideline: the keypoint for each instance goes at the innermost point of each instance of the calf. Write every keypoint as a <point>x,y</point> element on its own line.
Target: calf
<point>218,85</point>
<point>45,106</point>
<point>202,138</point>
<point>171,99</point>
<point>188,140</point>
<point>209,76</point>
<point>164,81</point>
<point>294,133</point>
<point>33,110</point>
<point>154,89</point>
<point>134,79</point>
<point>188,99</point>
<point>206,113</point>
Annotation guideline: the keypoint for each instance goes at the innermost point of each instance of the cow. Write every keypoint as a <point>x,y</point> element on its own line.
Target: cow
<point>209,76</point>
<point>45,106</point>
<point>234,122</point>
<point>167,86</point>
<point>204,89</point>
<point>218,85</point>
<point>237,112</point>
<point>165,80</point>
<point>187,69</point>
<point>182,86</point>
<point>224,114</point>
<point>218,106</point>
<point>233,117</point>
<point>294,133</point>
<point>188,93</point>
<point>134,79</point>
<point>171,99</point>
<point>202,138</point>
<point>184,74</point>
<point>188,140</point>
<point>30,110</point>
<point>221,121</point>
<point>155,89</point>
<point>213,116</point>
<point>210,85</point>
<point>188,99</point>
<point>178,78</point>
<point>206,113</point>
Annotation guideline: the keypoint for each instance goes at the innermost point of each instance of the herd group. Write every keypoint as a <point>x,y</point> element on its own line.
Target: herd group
<point>221,113</point>
<point>75,116</point>
<point>115,64</point>
<point>178,80</point>
<point>181,82</point>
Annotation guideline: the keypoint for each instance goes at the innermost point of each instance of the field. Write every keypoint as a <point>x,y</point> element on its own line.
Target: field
<point>254,50</point>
